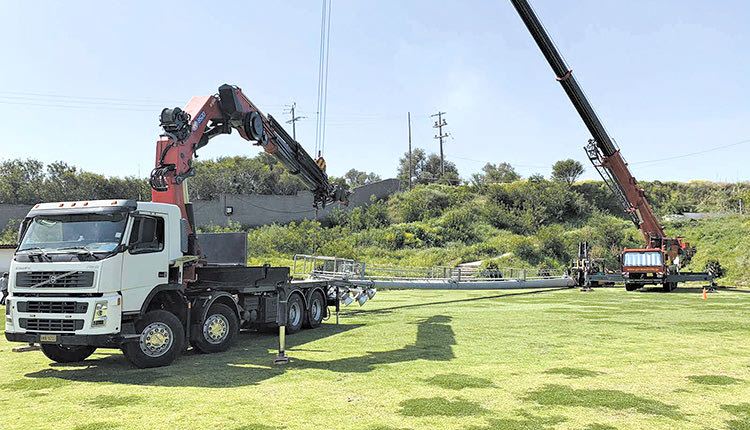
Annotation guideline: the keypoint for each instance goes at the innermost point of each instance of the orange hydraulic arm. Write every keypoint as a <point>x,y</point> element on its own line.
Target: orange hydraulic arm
<point>186,131</point>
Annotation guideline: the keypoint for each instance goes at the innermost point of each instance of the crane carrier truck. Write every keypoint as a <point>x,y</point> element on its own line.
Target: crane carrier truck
<point>659,261</point>
<point>136,276</point>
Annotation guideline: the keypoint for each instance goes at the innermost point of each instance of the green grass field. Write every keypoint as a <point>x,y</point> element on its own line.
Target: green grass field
<point>429,359</point>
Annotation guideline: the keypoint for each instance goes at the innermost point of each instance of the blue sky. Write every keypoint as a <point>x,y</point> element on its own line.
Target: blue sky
<point>84,81</point>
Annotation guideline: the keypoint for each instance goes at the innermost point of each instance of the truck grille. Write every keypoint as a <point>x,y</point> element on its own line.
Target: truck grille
<point>38,324</point>
<point>74,280</point>
<point>53,307</point>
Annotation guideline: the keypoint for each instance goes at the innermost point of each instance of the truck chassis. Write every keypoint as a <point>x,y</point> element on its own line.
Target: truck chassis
<point>207,315</point>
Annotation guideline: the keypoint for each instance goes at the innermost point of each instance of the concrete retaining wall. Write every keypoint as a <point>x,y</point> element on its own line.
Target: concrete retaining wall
<point>6,254</point>
<point>252,209</point>
<point>12,212</point>
<point>256,210</point>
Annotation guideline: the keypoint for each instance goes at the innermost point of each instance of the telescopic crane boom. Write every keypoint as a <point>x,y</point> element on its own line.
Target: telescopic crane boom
<point>205,117</point>
<point>602,150</point>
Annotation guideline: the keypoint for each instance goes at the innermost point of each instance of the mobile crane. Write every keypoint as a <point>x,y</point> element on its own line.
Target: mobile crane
<point>135,276</point>
<point>661,258</point>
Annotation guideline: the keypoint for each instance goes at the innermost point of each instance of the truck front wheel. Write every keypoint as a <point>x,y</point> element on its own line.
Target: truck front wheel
<point>67,354</point>
<point>218,331</point>
<point>631,286</point>
<point>161,338</point>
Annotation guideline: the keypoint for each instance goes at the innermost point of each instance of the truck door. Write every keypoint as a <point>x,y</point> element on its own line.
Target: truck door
<point>146,262</point>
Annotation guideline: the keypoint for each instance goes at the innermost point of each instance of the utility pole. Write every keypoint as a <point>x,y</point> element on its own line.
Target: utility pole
<point>294,120</point>
<point>408,115</point>
<point>439,124</point>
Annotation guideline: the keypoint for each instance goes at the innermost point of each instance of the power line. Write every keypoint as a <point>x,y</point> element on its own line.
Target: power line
<point>537,166</point>
<point>67,106</point>
<point>658,160</point>
<point>18,94</point>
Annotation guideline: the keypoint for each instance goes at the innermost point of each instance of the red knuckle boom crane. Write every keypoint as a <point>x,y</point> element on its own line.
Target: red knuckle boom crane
<point>205,117</point>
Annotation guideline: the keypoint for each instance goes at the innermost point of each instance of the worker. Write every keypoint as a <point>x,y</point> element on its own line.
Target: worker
<point>4,287</point>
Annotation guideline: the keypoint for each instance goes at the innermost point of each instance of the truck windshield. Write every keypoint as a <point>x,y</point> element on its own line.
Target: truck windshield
<point>643,258</point>
<point>69,233</point>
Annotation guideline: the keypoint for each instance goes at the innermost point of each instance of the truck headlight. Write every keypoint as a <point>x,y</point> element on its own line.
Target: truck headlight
<point>8,312</point>
<point>100,314</point>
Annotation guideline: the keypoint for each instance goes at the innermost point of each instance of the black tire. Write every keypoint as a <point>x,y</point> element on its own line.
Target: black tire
<point>316,310</point>
<point>161,340</point>
<point>67,354</point>
<point>295,313</point>
<point>218,331</point>
<point>631,287</point>
<point>669,286</point>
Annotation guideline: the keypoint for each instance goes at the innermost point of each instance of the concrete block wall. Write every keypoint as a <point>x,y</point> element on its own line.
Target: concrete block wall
<point>253,209</point>
<point>12,212</point>
<point>256,210</point>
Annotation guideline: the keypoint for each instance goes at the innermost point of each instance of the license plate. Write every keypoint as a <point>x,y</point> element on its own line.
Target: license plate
<point>48,338</point>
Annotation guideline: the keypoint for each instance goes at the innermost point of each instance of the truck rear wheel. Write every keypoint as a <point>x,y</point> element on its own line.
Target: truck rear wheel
<point>160,342</point>
<point>295,313</point>
<point>316,311</point>
<point>630,286</point>
<point>218,331</point>
<point>67,354</point>
<point>669,286</point>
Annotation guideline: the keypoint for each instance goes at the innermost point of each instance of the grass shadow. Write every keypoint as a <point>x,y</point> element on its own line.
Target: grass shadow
<point>105,401</point>
<point>573,372</point>
<point>456,381</point>
<point>559,395</point>
<point>434,342</point>
<point>692,290</point>
<point>528,422</point>
<point>438,406</point>
<point>257,427</point>
<point>248,362</point>
<point>100,425</point>
<point>714,379</point>
<point>597,426</point>
<point>741,411</point>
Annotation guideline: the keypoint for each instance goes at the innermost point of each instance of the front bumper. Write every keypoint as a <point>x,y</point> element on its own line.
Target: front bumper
<point>63,320</point>
<point>99,341</point>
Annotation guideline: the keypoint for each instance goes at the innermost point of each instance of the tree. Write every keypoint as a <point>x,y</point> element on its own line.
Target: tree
<point>426,169</point>
<point>262,174</point>
<point>500,174</point>
<point>355,178</point>
<point>20,181</point>
<point>567,171</point>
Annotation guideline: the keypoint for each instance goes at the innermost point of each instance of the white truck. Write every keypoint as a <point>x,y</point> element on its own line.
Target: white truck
<point>136,276</point>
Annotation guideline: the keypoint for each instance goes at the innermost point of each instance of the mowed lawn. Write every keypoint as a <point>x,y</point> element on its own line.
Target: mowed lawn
<point>558,359</point>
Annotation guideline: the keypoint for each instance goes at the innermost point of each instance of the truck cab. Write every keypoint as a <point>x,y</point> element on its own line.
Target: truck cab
<point>83,270</point>
<point>642,267</point>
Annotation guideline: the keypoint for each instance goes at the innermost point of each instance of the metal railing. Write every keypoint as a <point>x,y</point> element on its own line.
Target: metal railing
<point>322,267</point>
